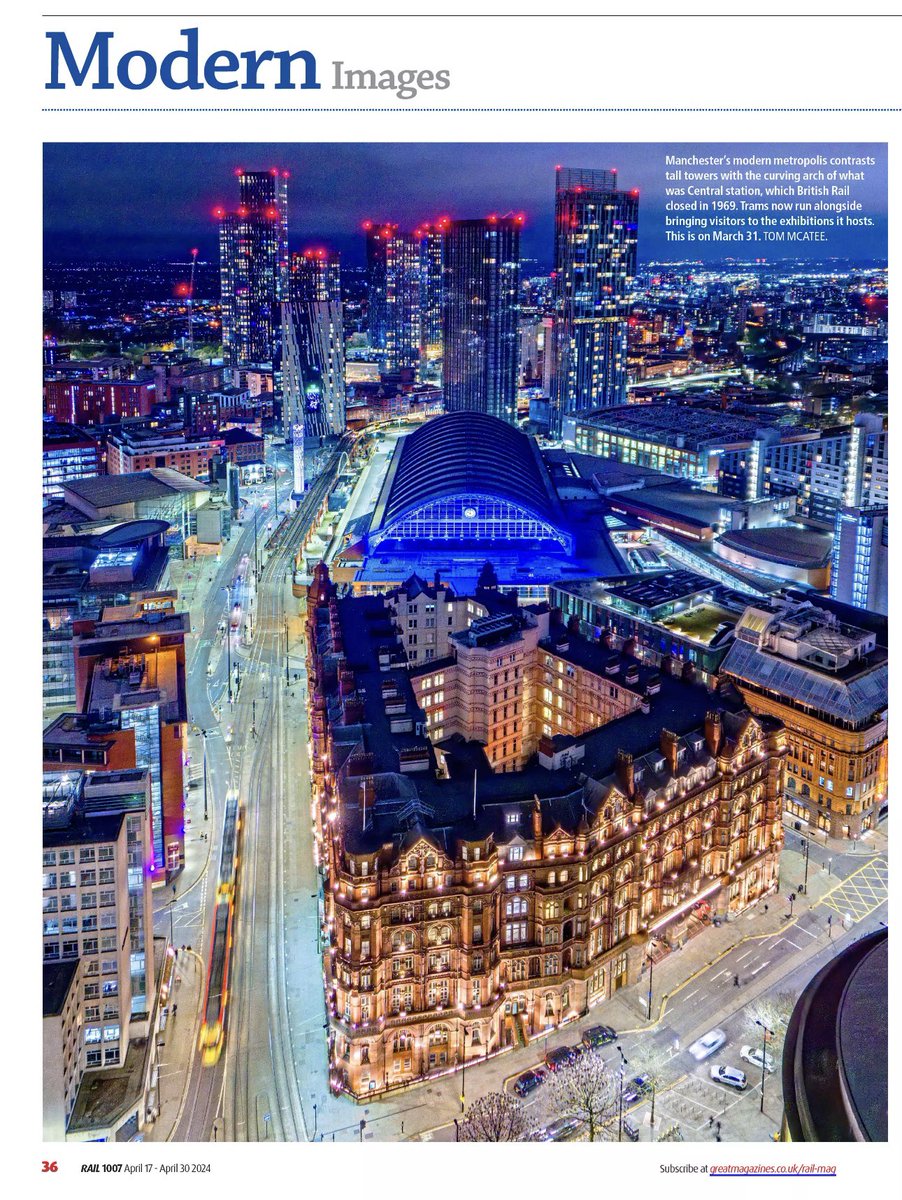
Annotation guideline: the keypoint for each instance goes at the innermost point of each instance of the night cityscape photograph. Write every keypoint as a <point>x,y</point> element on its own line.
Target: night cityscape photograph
<point>465,670</point>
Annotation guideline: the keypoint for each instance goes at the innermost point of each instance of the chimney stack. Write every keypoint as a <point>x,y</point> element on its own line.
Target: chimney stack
<point>537,827</point>
<point>669,748</point>
<point>713,732</point>
<point>626,772</point>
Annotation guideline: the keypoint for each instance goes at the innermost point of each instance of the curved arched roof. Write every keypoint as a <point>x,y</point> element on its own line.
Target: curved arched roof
<point>464,452</point>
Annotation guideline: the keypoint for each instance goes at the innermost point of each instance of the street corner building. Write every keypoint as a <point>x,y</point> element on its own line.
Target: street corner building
<point>486,878</point>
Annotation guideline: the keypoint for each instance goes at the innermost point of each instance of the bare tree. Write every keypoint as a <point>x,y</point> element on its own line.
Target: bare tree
<point>495,1117</point>
<point>587,1089</point>
<point>773,1012</point>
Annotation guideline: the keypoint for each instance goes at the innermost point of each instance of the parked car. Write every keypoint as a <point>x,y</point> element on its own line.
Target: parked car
<point>529,1081</point>
<point>631,1129</point>
<point>637,1087</point>
<point>729,1076</point>
<point>563,1129</point>
<point>755,1055</point>
<point>561,1056</point>
<point>705,1046</point>
<point>598,1035</point>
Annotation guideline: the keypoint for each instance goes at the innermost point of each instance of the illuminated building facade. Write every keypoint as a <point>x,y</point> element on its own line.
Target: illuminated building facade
<point>95,401</point>
<point>432,290</point>
<point>130,665</point>
<point>313,338</point>
<point>859,570</point>
<point>98,915</point>
<point>826,681</point>
<point>68,454</point>
<point>253,261</point>
<point>470,913</point>
<point>393,296</point>
<point>481,305</point>
<point>595,264</point>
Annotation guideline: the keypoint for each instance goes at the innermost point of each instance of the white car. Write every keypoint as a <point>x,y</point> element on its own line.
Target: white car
<point>729,1076</point>
<point>754,1055</point>
<point>705,1046</point>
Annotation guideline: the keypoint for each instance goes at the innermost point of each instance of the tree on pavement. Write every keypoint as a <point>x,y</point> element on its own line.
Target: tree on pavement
<point>772,1011</point>
<point>587,1089</point>
<point>495,1117</point>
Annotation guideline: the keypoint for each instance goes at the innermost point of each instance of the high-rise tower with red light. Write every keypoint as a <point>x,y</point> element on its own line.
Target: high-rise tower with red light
<point>253,259</point>
<point>595,264</point>
<point>480,313</point>
<point>431,236</point>
<point>393,295</point>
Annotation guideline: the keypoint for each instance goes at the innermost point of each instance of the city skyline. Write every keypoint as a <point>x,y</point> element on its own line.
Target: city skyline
<point>93,210</point>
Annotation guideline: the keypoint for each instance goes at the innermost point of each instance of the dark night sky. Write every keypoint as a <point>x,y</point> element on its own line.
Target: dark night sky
<point>155,200</point>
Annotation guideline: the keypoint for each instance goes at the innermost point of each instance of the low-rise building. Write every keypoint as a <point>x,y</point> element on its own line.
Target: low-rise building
<point>827,681</point>
<point>98,942</point>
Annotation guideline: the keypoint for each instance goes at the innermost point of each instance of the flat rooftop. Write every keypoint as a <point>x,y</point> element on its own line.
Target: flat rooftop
<point>678,425</point>
<point>57,981</point>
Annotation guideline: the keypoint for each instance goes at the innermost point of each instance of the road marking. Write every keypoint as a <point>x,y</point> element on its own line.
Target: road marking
<point>761,968</point>
<point>747,954</point>
<point>813,933</point>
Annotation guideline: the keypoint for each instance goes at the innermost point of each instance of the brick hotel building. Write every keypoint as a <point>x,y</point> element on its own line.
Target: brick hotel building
<point>468,908</point>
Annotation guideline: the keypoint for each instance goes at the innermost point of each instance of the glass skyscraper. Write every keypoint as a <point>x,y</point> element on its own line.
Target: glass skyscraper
<point>393,296</point>
<point>253,264</point>
<point>595,264</point>
<point>313,333</point>
<point>480,309</point>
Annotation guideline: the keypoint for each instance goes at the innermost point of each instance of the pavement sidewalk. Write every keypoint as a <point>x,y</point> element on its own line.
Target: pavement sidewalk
<point>177,1042</point>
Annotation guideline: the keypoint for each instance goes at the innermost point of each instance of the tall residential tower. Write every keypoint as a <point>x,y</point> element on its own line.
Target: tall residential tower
<point>253,265</point>
<point>595,263</point>
<point>480,306</point>
<point>393,295</point>
<point>313,337</point>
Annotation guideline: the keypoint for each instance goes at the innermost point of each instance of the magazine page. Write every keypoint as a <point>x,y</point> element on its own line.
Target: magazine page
<point>464,590</point>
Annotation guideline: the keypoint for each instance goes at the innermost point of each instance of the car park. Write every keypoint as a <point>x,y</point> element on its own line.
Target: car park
<point>598,1035</point>
<point>708,1044</point>
<point>730,1077</point>
<point>756,1056</point>
<point>529,1081</point>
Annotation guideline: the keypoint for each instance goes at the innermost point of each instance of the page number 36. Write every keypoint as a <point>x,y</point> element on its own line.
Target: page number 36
<point>48,1166</point>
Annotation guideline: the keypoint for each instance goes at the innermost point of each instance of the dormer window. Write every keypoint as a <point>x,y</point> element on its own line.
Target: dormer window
<point>512,818</point>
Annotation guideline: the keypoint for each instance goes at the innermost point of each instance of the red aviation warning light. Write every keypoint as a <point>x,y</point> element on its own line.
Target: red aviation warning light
<point>242,211</point>
<point>218,212</point>
<point>367,225</point>
<point>239,171</point>
<point>195,252</point>
<point>272,213</point>
<point>182,289</point>
<point>520,218</point>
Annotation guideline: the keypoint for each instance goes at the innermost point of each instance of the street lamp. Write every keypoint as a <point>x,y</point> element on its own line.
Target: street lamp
<point>651,975</point>
<point>463,1071</point>
<point>807,840</point>
<point>228,633</point>
<point>203,733</point>
<point>766,1031</point>
<point>792,900</point>
<point>623,1063</point>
